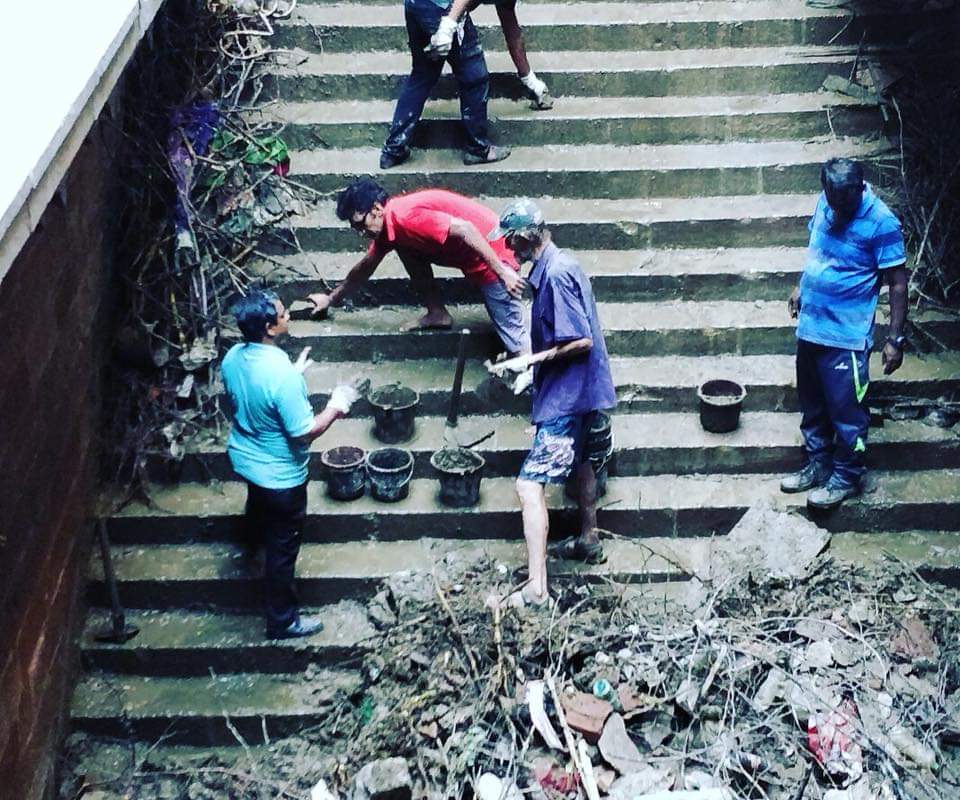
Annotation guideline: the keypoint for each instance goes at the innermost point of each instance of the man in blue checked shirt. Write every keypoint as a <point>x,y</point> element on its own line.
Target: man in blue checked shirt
<point>855,242</point>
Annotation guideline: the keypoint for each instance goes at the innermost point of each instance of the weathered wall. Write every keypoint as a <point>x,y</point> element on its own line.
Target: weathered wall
<point>53,340</point>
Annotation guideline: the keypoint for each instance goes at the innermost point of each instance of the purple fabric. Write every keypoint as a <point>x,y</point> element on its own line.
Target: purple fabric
<point>198,123</point>
<point>564,310</point>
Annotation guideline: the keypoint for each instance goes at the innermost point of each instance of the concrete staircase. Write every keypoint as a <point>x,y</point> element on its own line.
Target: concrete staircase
<point>681,164</point>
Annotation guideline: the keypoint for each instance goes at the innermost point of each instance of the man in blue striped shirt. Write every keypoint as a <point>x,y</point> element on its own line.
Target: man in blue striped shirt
<point>855,242</point>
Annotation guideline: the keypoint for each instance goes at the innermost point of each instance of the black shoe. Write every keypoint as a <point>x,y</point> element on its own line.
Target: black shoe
<point>301,626</point>
<point>811,476</point>
<point>492,155</point>
<point>388,160</point>
<point>827,498</point>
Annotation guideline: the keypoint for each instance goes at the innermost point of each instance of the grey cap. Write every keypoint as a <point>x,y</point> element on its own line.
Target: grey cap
<point>520,216</point>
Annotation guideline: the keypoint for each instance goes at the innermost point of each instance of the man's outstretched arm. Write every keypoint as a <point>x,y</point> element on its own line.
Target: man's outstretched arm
<point>358,275</point>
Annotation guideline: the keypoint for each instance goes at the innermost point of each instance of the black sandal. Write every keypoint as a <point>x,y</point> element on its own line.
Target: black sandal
<point>573,549</point>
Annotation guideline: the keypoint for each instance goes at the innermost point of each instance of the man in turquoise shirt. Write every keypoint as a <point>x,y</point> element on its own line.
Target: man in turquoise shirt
<point>269,444</point>
<point>855,244</point>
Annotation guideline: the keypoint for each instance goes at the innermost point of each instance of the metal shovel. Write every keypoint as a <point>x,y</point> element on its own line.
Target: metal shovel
<point>119,631</point>
<point>451,436</point>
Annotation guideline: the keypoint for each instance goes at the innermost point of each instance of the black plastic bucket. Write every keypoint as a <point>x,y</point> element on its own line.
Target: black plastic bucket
<point>599,448</point>
<point>461,471</point>
<point>600,440</point>
<point>346,472</point>
<point>394,412</point>
<point>389,470</point>
<point>720,404</point>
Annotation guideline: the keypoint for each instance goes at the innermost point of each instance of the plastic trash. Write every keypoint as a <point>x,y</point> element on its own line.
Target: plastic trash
<point>830,737</point>
<point>538,715</point>
<point>490,787</point>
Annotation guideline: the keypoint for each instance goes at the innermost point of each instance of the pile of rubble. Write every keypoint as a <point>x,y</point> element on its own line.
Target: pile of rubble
<point>778,673</point>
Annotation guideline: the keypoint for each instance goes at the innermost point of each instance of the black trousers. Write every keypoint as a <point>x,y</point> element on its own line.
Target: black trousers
<point>274,520</point>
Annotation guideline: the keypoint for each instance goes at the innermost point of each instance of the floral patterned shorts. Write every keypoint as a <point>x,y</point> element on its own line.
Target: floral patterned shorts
<point>559,445</point>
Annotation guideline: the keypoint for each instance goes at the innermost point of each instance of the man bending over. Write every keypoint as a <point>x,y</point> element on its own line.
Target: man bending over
<point>434,226</point>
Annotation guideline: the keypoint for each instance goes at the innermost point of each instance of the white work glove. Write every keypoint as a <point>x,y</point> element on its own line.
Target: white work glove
<point>442,41</point>
<point>303,362</point>
<point>342,397</point>
<point>524,381</point>
<point>517,364</point>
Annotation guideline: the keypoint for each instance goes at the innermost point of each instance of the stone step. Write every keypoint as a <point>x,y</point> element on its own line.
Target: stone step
<point>217,576</point>
<point>754,220</point>
<point>597,26</point>
<point>309,76</point>
<point>587,120</point>
<point>720,273</point>
<point>599,171</point>
<point>640,506</point>
<point>195,642</point>
<point>645,444</point>
<point>184,642</point>
<point>190,709</point>
<point>202,711</point>
<point>653,383</point>
<point>687,327</point>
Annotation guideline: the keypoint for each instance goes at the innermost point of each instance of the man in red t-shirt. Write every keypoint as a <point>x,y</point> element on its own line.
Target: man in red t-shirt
<point>427,227</point>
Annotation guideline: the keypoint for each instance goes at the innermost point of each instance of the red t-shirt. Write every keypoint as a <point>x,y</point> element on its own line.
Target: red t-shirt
<point>420,222</point>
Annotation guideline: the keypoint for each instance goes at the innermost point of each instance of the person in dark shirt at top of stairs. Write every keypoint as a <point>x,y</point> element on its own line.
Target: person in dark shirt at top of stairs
<point>442,41</point>
<point>423,18</point>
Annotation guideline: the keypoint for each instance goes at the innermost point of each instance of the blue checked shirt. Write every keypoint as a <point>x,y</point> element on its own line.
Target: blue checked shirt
<point>841,280</point>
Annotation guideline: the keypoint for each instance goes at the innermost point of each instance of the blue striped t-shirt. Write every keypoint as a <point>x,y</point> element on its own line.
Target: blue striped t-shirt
<point>841,280</point>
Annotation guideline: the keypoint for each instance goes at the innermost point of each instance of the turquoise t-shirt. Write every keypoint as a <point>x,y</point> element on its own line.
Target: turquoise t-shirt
<point>841,280</point>
<point>269,408</point>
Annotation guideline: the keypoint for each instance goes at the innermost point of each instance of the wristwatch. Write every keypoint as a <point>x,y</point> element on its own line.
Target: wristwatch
<point>897,341</point>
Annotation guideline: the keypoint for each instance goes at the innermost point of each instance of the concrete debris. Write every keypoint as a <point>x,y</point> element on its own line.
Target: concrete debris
<point>618,749</point>
<point>770,690</point>
<point>765,544</point>
<point>321,791</point>
<point>586,714</point>
<point>913,642</point>
<point>841,85</point>
<point>387,779</point>
<point>641,782</point>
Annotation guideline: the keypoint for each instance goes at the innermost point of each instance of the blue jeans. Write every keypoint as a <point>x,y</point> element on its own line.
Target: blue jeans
<point>832,385</point>
<point>469,67</point>
<point>509,317</point>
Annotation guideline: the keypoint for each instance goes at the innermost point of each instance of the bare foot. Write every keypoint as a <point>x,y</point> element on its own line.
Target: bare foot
<point>434,320</point>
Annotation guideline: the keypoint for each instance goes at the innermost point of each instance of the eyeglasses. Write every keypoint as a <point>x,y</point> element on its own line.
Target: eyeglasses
<point>360,225</point>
